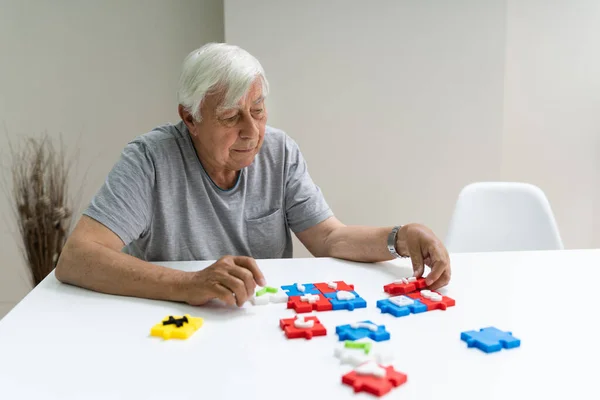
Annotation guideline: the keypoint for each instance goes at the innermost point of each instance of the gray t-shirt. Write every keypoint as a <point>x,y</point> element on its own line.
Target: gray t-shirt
<point>161,202</point>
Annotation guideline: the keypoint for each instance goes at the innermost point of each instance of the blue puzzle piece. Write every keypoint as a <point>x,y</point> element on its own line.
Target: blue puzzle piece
<point>490,339</point>
<point>350,305</point>
<point>387,306</point>
<point>292,290</point>
<point>347,332</point>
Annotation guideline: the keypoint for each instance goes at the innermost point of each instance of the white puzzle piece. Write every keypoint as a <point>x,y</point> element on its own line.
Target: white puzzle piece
<point>279,297</point>
<point>345,295</point>
<point>357,356</point>
<point>401,301</point>
<point>429,295</point>
<point>302,323</point>
<point>310,298</point>
<point>357,325</point>
<point>371,368</point>
<point>406,280</point>
<point>353,357</point>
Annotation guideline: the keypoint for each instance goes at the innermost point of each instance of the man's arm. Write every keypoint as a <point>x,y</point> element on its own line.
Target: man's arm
<point>332,238</point>
<point>92,258</point>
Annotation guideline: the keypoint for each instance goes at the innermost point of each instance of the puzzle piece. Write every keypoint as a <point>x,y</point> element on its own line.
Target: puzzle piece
<point>344,300</point>
<point>309,302</point>
<point>351,356</point>
<point>490,339</point>
<point>361,330</point>
<point>364,346</point>
<point>373,378</point>
<point>354,353</point>
<point>433,300</point>
<point>405,285</point>
<point>330,287</point>
<point>401,306</point>
<point>268,295</point>
<point>299,289</point>
<point>177,327</point>
<point>302,327</point>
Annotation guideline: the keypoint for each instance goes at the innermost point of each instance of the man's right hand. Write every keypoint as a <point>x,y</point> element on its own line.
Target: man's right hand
<point>232,279</point>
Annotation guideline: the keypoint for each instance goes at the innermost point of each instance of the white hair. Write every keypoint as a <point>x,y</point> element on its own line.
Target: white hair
<point>217,66</point>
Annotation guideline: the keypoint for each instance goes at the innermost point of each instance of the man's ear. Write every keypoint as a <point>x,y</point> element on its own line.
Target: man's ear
<point>186,117</point>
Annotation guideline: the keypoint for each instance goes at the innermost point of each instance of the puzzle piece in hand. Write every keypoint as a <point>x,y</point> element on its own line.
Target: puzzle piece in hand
<point>490,339</point>
<point>405,285</point>
<point>373,378</point>
<point>309,302</point>
<point>302,327</point>
<point>433,300</point>
<point>330,287</point>
<point>268,295</point>
<point>400,306</point>
<point>298,289</point>
<point>346,300</point>
<point>177,327</point>
<point>361,330</point>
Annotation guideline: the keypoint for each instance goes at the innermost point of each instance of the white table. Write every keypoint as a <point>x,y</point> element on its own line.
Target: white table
<point>63,342</point>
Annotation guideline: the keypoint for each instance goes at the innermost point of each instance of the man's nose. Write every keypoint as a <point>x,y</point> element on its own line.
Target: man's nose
<point>249,128</point>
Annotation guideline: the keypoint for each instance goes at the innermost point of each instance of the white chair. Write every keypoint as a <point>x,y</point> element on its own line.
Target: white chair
<point>502,216</point>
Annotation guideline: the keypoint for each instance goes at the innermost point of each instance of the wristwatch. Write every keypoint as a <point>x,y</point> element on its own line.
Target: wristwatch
<point>391,243</point>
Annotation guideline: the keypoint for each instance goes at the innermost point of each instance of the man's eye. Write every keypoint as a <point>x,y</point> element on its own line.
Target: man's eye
<point>230,119</point>
<point>257,111</point>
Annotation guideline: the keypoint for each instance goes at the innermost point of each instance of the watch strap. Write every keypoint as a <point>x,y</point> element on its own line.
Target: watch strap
<point>391,242</point>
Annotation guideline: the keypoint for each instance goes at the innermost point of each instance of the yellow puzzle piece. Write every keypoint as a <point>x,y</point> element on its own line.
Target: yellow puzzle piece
<point>176,327</point>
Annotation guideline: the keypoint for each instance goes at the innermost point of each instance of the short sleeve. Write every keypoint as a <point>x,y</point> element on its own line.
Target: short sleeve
<point>124,202</point>
<point>304,202</point>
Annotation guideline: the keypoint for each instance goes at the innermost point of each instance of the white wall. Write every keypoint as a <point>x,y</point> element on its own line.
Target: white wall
<point>395,104</point>
<point>399,104</point>
<point>100,73</point>
<point>552,109</point>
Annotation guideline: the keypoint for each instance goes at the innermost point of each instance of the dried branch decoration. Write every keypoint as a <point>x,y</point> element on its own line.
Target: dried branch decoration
<point>41,203</point>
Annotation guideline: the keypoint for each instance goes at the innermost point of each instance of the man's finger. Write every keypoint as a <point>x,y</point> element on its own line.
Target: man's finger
<point>443,281</point>
<point>416,258</point>
<point>438,267</point>
<point>246,276</point>
<point>250,264</point>
<point>224,294</point>
<point>236,286</point>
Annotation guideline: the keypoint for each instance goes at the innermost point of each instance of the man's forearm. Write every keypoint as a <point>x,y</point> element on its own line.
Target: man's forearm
<point>359,243</point>
<point>99,268</point>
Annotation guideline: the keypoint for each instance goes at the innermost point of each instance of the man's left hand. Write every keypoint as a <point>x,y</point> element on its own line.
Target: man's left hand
<point>424,248</point>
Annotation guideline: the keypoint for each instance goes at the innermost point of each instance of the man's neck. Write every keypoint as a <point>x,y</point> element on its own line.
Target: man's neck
<point>224,179</point>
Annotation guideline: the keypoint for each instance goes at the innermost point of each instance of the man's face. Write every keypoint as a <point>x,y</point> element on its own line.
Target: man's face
<point>231,138</point>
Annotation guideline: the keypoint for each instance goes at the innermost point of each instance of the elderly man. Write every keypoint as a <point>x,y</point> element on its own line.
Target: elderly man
<point>219,185</point>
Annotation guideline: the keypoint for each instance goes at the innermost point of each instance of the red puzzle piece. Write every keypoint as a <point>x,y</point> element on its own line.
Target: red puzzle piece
<point>303,306</point>
<point>433,305</point>
<point>405,288</point>
<point>374,384</point>
<point>323,287</point>
<point>294,332</point>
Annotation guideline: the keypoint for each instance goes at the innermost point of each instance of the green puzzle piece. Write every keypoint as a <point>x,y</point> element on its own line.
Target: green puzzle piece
<point>265,290</point>
<point>366,347</point>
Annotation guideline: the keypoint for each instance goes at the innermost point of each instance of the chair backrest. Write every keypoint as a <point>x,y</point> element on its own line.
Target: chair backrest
<point>502,216</point>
